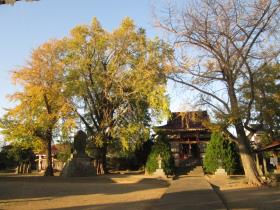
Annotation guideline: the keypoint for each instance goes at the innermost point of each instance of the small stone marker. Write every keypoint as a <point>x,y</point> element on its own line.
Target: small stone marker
<point>159,171</point>
<point>159,161</point>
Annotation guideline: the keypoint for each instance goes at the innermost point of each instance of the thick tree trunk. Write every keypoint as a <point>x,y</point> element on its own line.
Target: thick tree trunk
<point>49,169</point>
<point>102,160</point>
<point>249,165</point>
<point>258,164</point>
<point>264,166</point>
<point>247,160</point>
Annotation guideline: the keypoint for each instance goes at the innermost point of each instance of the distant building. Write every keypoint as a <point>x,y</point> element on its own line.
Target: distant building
<point>41,159</point>
<point>188,135</point>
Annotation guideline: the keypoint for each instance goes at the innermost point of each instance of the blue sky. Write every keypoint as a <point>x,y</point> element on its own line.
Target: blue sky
<point>25,26</point>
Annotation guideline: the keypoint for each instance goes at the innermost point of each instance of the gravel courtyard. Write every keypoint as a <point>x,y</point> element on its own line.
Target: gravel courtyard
<point>118,192</point>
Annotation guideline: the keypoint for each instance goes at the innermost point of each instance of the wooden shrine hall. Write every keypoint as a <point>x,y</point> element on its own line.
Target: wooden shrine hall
<point>188,136</point>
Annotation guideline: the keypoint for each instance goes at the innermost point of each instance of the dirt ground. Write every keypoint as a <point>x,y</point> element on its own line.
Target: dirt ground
<point>237,195</point>
<point>118,192</point>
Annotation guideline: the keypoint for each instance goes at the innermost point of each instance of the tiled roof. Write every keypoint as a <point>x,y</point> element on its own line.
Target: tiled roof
<point>194,120</point>
<point>274,145</point>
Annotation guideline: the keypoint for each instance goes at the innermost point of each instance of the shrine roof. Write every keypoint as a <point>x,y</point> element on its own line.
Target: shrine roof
<point>187,121</point>
<point>274,145</point>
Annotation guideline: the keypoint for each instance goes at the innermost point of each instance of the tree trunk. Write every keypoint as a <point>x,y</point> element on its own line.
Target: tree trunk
<point>258,164</point>
<point>20,168</point>
<point>249,165</point>
<point>244,147</point>
<point>102,160</point>
<point>264,166</point>
<point>49,169</point>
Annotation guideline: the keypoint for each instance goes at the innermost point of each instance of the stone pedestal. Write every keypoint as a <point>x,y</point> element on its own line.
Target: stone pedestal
<point>78,167</point>
<point>159,172</point>
<point>79,164</point>
<point>221,172</point>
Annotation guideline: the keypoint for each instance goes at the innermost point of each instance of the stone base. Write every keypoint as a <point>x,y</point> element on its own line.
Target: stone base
<point>159,173</point>
<point>78,167</point>
<point>221,172</point>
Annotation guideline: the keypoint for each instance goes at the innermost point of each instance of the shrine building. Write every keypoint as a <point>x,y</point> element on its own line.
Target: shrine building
<point>188,136</point>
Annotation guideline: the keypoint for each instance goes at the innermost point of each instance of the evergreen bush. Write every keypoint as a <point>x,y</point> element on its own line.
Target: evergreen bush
<point>220,152</point>
<point>162,148</point>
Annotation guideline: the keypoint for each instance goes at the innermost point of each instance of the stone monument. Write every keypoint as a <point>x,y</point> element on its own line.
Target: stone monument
<point>79,164</point>
<point>159,171</point>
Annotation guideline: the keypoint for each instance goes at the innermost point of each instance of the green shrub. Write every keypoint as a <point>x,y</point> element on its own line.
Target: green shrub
<point>162,148</point>
<point>64,151</point>
<point>12,155</point>
<point>221,152</point>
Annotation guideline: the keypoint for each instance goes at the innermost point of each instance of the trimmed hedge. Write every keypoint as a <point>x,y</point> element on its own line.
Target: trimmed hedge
<point>221,152</point>
<point>162,148</point>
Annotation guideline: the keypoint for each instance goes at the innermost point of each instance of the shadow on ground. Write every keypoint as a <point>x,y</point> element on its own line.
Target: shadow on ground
<point>253,198</point>
<point>36,187</point>
<point>192,200</point>
<point>262,198</point>
<point>121,206</point>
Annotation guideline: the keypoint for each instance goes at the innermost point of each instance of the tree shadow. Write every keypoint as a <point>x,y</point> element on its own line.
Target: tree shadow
<point>122,206</point>
<point>171,201</point>
<point>53,187</point>
<point>203,199</point>
<point>263,198</point>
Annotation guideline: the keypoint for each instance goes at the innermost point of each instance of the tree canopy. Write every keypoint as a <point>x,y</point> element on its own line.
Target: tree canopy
<point>110,80</point>
<point>231,39</point>
<point>267,102</point>
<point>113,81</point>
<point>41,106</point>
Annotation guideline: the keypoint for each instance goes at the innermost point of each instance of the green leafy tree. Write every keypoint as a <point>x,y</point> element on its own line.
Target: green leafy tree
<point>113,83</point>
<point>220,152</point>
<point>161,149</point>
<point>15,155</point>
<point>268,99</point>
<point>64,151</point>
<point>267,102</point>
<point>41,105</point>
<point>6,161</point>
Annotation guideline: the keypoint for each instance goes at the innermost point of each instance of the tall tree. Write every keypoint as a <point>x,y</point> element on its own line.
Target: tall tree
<point>40,103</point>
<point>267,102</point>
<point>229,41</point>
<point>113,82</point>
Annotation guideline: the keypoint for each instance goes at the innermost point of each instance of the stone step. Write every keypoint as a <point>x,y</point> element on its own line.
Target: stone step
<point>191,192</point>
<point>197,171</point>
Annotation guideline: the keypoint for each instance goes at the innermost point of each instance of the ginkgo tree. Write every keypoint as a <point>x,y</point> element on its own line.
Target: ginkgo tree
<point>41,105</point>
<point>113,82</point>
